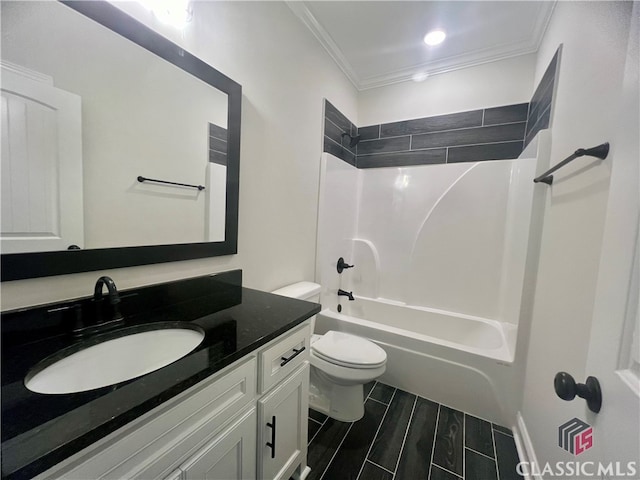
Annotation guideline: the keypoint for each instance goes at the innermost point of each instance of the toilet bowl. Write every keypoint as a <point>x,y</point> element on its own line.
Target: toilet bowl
<point>341,364</point>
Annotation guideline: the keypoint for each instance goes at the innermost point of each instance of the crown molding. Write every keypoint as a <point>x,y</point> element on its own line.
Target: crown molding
<point>309,20</point>
<point>478,57</point>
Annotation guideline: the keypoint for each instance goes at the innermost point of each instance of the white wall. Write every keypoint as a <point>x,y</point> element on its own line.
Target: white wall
<point>285,75</point>
<point>594,37</point>
<point>490,85</point>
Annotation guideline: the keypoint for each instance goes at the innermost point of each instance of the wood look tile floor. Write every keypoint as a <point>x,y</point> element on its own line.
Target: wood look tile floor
<point>406,437</point>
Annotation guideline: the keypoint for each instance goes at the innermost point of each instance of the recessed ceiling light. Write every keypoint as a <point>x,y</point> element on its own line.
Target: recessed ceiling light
<point>434,37</point>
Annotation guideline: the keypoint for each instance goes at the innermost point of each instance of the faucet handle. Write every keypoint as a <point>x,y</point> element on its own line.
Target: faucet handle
<point>342,265</point>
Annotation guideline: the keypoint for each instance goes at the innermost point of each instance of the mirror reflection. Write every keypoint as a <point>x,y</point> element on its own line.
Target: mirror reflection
<point>85,112</point>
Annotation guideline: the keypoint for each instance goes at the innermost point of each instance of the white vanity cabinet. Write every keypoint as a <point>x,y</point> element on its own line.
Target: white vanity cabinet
<point>283,406</point>
<point>230,455</point>
<point>282,420</point>
<point>218,428</point>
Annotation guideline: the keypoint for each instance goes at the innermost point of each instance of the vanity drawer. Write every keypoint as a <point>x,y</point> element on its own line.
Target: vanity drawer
<point>283,357</point>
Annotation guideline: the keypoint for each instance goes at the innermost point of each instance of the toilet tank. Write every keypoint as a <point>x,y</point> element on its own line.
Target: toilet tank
<point>302,290</point>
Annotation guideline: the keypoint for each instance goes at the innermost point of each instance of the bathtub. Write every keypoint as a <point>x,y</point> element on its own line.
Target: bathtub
<point>458,360</point>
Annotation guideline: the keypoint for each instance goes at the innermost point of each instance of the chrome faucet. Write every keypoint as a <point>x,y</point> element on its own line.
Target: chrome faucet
<point>342,293</point>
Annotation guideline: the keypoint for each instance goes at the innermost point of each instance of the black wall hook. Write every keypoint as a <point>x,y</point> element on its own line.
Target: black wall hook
<point>566,388</point>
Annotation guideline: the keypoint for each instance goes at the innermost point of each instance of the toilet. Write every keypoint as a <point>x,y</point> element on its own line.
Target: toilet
<point>341,364</point>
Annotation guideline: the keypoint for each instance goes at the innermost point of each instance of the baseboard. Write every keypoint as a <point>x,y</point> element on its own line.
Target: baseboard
<point>305,473</point>
<point>525,447</point>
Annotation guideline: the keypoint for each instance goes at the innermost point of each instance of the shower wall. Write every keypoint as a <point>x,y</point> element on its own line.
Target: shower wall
<point>448,236</point>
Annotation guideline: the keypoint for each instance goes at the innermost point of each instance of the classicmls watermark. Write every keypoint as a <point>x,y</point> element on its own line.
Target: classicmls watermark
<point>576,437</point>
<point>579,469</point>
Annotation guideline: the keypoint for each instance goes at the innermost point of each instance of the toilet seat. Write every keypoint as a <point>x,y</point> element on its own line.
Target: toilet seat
<point>349,351</point>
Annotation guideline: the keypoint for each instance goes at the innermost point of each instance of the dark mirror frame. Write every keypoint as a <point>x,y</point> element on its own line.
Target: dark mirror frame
<point>20,266</point>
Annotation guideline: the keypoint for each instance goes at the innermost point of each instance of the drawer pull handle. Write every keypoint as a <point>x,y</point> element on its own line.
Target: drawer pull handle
<point>296,352</point>
<point>272,443</point>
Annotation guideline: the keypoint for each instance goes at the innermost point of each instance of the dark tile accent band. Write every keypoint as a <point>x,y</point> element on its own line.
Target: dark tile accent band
<point>506,114</point>
<point>403,159</point>
<point>384,145</point>
<point>495,133</point>
<point>336,117</point>
<point>539,116</point>
<point>369,133</point>
<point>432,124</point>
<point>470,136</point>
<point>491,151</point>
<point>339,151</point>
<point>335,124</point>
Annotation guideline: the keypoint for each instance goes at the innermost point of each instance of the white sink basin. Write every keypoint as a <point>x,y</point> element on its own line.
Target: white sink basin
<point>114,361</point>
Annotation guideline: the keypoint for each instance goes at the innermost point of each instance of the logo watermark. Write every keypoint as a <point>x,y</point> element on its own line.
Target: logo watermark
<point>575,436</point>
<point>579,469</point>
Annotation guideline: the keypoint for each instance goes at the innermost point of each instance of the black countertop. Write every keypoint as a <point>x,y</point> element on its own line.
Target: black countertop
<point>39,430</point>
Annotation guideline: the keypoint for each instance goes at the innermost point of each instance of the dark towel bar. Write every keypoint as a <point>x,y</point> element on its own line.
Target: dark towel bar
<point>601,152</point>
<point>144,179</point>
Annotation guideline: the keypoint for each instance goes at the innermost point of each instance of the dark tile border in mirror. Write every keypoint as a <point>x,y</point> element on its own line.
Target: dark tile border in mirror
<point>20,266</point>
<point>217,144</point>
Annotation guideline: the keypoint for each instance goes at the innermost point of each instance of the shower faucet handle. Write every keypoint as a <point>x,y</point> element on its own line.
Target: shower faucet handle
<point>342,265</point>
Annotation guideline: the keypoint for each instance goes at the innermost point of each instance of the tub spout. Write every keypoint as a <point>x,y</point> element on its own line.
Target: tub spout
<point>342,293</point>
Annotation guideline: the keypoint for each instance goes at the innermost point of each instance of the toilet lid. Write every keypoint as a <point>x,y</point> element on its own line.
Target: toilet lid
<point>349,350</point>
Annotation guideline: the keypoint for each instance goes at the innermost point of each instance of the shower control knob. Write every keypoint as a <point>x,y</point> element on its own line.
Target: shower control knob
<point>342,265</point>
<point>566,388</point>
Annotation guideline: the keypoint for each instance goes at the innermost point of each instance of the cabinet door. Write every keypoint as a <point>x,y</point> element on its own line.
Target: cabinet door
<point>282,421</point>
<point>230,456</point>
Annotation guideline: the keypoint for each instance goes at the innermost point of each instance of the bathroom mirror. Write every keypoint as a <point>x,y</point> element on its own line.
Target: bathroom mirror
<point>147,109</point>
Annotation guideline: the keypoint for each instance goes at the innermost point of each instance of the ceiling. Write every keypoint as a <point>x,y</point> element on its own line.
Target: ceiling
<point>378,43</point>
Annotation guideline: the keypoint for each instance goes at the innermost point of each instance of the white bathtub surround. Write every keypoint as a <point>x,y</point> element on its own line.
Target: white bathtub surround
<point>440,254</point>
<point>441,236</point>
<point>337,216</point>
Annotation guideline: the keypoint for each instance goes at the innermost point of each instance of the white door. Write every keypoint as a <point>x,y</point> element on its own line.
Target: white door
<point>614,356</point>
<point>41,164</point>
